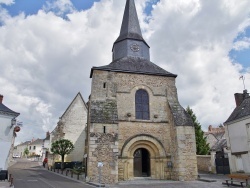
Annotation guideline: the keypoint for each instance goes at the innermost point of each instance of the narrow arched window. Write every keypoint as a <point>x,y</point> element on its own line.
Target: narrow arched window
<point>141,104</point>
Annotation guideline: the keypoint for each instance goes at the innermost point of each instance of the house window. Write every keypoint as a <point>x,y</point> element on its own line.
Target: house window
<point>30,148</point>
<point>142,104</point>
<point>34,147</point>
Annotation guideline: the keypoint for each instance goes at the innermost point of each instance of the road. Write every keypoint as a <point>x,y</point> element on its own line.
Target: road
<point>29,174</point>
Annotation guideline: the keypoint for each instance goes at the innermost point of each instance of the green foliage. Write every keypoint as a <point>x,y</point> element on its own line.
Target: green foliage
<point>202,147</point>
<point>26,152</point>
<point>62,147</point>
<point>79,170</point>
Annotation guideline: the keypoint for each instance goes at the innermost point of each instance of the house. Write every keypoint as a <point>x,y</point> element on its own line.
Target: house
<point>217,161</point>
<point>19,149</point>
<point>136,126</point>
<point>214,134</point>
<point>71,126</point>
<point>238,134</point>
<point>46,146</point>
<point>35,148</point>
<point>8,131</point>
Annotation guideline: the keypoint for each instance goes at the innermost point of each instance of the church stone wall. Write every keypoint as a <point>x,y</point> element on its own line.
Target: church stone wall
<point>184,153</point>
<point>157,134</point>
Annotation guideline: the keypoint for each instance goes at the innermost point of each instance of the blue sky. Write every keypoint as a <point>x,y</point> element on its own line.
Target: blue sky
<point>32,6</point>
<point>204,42</point>
<point>242,56</point>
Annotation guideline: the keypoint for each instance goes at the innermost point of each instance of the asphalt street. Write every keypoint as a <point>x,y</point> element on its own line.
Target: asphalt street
<point>29,174</point>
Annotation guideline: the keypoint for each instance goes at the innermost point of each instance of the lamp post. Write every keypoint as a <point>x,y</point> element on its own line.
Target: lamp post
<point>13,122</point>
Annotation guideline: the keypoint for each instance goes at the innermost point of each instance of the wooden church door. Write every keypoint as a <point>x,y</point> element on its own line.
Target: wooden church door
<point>141,163</point>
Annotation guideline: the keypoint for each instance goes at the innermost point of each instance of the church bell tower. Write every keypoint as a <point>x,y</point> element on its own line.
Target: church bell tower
<point>136,126</point>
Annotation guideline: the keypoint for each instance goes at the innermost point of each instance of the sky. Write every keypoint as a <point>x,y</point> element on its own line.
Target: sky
<point>47,49</point>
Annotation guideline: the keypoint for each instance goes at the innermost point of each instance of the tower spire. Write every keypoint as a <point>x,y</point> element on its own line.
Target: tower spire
<point>130,51</point>
<point>130,42</point>
<point>130,24</point>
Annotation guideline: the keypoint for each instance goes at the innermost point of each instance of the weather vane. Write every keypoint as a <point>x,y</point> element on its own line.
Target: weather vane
<point>243,79</point>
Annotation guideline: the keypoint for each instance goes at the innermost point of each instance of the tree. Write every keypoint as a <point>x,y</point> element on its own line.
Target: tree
<point>62,147</point>
<point>26,152</point>
<point>202,147</point>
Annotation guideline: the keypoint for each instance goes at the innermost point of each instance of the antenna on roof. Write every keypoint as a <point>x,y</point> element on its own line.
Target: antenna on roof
<point>243,79</point>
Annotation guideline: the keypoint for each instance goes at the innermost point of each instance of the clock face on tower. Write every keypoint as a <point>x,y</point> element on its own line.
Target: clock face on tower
<point>135,47</point>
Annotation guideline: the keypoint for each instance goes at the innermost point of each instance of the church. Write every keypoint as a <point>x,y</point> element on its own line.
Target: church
<point>136,126</point>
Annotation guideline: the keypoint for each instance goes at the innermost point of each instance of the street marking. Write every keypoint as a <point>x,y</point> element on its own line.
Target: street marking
<point>32,180</point>
<point>47,183</point>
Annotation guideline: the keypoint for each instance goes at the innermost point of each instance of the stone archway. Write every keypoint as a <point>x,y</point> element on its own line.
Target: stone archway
<point>153,154</point>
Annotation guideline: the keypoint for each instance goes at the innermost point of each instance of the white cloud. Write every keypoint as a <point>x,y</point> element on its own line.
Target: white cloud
<point>7,2</point>
<point>45,60</point>
<point>242,44</point>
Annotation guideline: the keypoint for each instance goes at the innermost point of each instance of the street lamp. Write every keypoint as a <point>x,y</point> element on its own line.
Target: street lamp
<point>13,122</point>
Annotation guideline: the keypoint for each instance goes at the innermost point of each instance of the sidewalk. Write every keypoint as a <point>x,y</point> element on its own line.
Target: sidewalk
<point>205,180</point>
<point>4,184</point>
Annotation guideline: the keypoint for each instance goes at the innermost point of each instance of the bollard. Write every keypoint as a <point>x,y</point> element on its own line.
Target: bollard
<point>67,172</point>
<point>11,182</point>
<point>71,174</point>
<point>58,170</point>
<point>10,176</point>
<point>62,171</point>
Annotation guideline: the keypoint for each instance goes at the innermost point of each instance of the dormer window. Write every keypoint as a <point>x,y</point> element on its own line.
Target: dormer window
<point>142,104</point>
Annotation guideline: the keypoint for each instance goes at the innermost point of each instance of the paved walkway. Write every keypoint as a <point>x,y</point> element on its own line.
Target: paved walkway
<point>4,184</point>
<point>208,181</point>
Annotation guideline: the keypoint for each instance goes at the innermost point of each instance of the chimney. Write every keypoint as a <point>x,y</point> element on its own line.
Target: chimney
<point>239,97</point>
<point>245,94</point>
<point>47,134</point>
<point>1,99</point>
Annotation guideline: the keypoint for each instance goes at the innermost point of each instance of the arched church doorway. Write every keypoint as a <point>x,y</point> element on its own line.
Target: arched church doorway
<point>141,163</point>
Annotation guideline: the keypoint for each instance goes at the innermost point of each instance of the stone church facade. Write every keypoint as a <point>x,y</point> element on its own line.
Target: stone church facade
<point>136,126</point>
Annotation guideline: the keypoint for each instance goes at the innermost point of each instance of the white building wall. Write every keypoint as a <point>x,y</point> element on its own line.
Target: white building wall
<point>237,133</point>
<point>6,135</point>
<point>238,141</point>
<point>37,150</point>
<point>74,124</point>
<point>19,150</point>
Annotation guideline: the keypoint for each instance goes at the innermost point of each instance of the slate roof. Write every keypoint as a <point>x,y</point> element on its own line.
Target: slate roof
<point>134,65</point>
<point>181,117</point>
<point>241,111</point>
<point>219,145</point>
<point>5,109</point>
<point>36,142</point>
<point>24,144</point>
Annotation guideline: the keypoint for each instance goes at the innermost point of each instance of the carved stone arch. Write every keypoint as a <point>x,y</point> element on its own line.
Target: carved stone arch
<point>142,86</point>
<point>152,144</point>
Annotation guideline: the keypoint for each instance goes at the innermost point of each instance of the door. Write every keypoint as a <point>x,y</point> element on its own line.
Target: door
<point>239,163</point>
<point>141,163</point>
<point>222,163</point>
